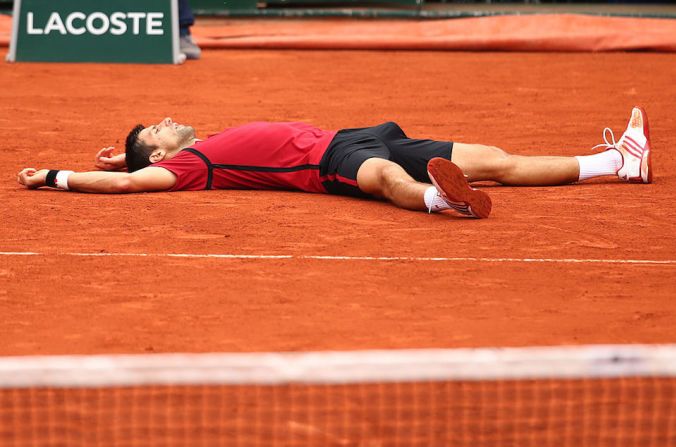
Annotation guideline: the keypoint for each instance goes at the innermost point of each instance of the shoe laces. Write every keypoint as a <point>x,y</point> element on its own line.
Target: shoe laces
<point>461,208</point>
<point>607,144</point>
<point>437,197</point>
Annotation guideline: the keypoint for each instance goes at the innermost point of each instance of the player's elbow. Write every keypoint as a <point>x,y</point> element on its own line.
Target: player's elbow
<point>123,185</point>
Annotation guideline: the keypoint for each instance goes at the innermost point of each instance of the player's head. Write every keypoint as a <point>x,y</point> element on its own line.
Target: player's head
<point>147,145</point>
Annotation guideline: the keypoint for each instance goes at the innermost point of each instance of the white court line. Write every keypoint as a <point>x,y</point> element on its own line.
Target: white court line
<point>357,258</point>
<point>18,253</point>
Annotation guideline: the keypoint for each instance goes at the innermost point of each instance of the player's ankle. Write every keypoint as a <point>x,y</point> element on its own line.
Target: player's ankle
<point>433,200</point>
<point>604,163</point>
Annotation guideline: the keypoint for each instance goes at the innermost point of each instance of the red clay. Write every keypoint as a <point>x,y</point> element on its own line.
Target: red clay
<point>58,115</point>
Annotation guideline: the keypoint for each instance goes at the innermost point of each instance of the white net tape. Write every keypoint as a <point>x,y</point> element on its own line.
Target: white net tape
<point>564,396</point>
<point>340,367</point>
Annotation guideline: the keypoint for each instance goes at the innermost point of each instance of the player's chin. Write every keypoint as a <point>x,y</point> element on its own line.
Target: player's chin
<point>186,131</point>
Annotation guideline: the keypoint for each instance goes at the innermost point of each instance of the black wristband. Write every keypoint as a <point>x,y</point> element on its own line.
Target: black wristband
<point>51,176</point>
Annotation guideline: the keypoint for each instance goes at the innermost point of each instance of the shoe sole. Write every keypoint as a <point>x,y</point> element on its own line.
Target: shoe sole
<point>646,132</point>
<point>648,151</point>
<point>448,178</point>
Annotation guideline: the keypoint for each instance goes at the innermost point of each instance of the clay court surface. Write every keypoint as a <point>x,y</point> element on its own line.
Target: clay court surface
<point>482,293</point>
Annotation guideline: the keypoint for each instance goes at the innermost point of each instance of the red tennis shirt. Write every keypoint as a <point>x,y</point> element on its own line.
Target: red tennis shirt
<point>253,156</point>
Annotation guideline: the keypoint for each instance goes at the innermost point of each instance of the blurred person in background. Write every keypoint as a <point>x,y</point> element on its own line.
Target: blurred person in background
<point>186,19</point>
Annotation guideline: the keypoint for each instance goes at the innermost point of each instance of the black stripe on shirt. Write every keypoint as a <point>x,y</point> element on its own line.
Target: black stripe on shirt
<point>210,169</point>
<point>265,168</point>
<point>211,166</point>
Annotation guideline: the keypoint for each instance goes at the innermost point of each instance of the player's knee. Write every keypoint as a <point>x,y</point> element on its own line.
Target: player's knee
<point>497,153</point>
<point>373,176</point>
<point>390,179</point>
<point>381,178</point>
<point>501,163</point>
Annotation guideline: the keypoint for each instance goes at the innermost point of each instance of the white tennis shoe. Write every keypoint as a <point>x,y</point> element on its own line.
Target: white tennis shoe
<point>452,185</point>
<point>634,146</point>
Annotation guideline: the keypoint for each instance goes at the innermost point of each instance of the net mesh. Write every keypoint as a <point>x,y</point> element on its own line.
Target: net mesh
<point>637,410</point>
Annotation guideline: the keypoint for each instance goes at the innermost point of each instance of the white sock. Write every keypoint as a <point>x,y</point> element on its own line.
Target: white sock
<point>433,200</point>
<point>604,163</point>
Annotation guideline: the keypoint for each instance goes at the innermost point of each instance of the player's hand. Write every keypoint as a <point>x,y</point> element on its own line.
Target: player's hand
<point>31,178</point>
<point>106,161</point>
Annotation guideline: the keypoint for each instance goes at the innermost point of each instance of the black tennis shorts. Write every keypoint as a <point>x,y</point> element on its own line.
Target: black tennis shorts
<point>352,147</point>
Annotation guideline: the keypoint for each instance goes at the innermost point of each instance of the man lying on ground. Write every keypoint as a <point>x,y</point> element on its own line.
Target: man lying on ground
<point>377,162</point>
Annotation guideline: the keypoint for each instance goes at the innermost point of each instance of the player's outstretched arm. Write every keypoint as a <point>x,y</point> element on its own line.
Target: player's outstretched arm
<point>106,161</point>
<point>143,180</point>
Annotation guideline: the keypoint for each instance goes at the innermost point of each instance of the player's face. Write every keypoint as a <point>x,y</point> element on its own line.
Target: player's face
<point>167,135</point>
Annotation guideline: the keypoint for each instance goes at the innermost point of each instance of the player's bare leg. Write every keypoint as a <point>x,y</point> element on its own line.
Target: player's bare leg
<point>629,159</point>
<point>481,162</point>
<point>383,178</point>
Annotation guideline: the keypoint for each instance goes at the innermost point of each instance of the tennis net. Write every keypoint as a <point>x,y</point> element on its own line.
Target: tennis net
<point>562,396</point>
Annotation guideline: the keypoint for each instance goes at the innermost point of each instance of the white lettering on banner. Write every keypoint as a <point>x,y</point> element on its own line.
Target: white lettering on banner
<point>135,17</point>
<point>154,24</point>
<point>99,23</point>
<point>55,24</point>
<point>119,26</point>
<point>71,27</point>
<point>29,25</point>
<point>105,23</point>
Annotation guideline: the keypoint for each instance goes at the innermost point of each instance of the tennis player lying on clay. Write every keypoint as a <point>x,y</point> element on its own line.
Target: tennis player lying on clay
<point>379,162</point>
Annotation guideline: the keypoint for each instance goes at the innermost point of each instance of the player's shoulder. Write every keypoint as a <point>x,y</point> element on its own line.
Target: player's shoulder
<point>186,159</point>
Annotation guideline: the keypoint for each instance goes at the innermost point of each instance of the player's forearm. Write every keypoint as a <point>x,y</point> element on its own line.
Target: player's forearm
<point>95,181</point>
<point>143,180</point>
<point>106,182</point>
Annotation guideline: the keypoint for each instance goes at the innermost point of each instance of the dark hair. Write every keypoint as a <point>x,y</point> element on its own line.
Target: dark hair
<point>137,152</point>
